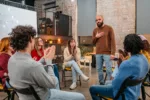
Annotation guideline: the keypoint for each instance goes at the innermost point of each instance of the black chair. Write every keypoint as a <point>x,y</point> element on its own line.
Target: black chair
<point>28,91</point>
<point>6,90</point>
<point>145,84</point>
<point>127,83</point>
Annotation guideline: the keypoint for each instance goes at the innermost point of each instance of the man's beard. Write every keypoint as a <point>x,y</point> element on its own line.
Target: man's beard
<point>100,24</point>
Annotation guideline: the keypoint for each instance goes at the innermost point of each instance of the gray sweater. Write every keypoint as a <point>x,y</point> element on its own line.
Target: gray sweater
<point>24,71</point>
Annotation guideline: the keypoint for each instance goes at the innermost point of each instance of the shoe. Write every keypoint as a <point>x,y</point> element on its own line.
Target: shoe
<point>101,83</point>
<point>85,78</point>
<point>73,86</point>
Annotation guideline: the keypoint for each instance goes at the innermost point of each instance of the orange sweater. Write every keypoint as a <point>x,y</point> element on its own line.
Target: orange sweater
<point>106,43</point>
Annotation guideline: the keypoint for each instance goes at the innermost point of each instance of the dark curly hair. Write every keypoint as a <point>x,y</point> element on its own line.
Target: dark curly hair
<point>133,44</point>
<point>20,36</point>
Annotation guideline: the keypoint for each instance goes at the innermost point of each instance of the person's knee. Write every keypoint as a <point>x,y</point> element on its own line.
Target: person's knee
<point>91,89</point>
<point>80,97</point>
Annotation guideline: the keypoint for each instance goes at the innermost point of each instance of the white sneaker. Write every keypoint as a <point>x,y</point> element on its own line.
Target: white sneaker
<point>85,78</point>
<point>73,85</point>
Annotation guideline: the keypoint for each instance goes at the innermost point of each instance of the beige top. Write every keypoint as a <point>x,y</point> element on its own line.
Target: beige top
<point>69,57</point>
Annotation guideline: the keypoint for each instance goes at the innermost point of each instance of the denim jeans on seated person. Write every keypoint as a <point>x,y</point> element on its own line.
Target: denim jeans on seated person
<point>103,90</point>
<point>64,95</point>
<point>75,68</point>
<point>100,59</point>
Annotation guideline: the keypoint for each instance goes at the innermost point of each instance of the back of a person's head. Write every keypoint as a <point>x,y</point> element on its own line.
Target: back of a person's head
<point>145,43</point>
<point>133,44</point>
<point>4,44</point>
<point>21,36</point>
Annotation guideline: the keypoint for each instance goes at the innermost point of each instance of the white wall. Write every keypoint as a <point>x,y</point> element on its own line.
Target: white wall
<point>13,16</point>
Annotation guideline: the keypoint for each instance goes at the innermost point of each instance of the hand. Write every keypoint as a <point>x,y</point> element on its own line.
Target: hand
<point>112,57</point>
<point>111,78</point>
<point>122,57</point>
<point>5,74</point>
<point>49,53</point>
<point>98,35</point>
<point>75,52</point>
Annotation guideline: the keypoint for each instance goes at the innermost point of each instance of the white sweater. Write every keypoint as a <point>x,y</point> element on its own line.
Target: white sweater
<point>69,57</point>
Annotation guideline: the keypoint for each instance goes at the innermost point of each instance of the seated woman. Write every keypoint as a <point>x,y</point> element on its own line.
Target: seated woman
<point>72,59</point>
<point>38,53</point>
<point>5,52</point>
<point>136,67</point>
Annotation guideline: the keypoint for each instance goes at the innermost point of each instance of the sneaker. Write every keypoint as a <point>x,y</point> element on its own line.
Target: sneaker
<point>101,83</point>
<point>85,78</point>
<point>73,86</point>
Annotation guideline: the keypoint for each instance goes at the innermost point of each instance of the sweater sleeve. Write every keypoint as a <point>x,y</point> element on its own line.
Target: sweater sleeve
<point>42,78</point>
<point>94,39</point>
<point>66,56</point>
<point>78,55</point>
<point>113,44</point>
<point>123,73</point>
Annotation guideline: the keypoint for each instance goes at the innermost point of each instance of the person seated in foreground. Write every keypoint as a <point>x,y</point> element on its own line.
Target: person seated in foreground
<point>24,71</point>
<point>72,57</point>
<point>136,67</point>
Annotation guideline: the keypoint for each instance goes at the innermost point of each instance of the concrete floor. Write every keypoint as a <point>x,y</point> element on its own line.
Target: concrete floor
<point>84,88</point>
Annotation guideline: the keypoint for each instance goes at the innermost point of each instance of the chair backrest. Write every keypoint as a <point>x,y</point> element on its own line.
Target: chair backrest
<point>127,83</point>
<point>26,91</point>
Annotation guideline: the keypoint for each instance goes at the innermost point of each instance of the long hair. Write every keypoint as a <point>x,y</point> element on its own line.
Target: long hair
<point>69,46</point>
<point>36,46</point>
<point>4,44</point>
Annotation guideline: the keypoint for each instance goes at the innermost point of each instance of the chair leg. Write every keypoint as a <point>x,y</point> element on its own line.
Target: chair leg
<point>13,95</point>
<point>105,78</point>
<point>64,78</point>
<point>143,93</point>
<point>80,79</point>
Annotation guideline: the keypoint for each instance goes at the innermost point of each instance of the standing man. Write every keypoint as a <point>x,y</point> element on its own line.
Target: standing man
<point>104,38</point>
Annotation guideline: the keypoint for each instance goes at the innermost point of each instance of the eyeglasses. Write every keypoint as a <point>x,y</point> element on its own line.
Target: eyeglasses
<point>98,20</point>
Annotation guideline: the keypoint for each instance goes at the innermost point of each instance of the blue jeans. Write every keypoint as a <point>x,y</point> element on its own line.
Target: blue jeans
<point>103,90</point>
<point>100,58</point>
<point>64,95</point>
<point>75,69</point>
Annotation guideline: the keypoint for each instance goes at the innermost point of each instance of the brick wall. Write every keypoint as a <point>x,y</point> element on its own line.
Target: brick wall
<point>120,14</point>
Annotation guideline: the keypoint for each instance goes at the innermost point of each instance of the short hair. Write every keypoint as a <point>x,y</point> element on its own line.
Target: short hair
<point>21,36</point>
<point>133,44</point>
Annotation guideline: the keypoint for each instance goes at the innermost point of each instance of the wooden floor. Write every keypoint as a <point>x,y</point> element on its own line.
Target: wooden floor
<point>84,88</point>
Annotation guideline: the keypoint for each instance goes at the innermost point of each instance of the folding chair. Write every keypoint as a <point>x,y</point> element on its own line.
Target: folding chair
<point>145,84</point>
<point>127,83</point>
<point>6,90</point>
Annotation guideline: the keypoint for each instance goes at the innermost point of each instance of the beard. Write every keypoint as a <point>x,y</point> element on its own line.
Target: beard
<point>100,24</point>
